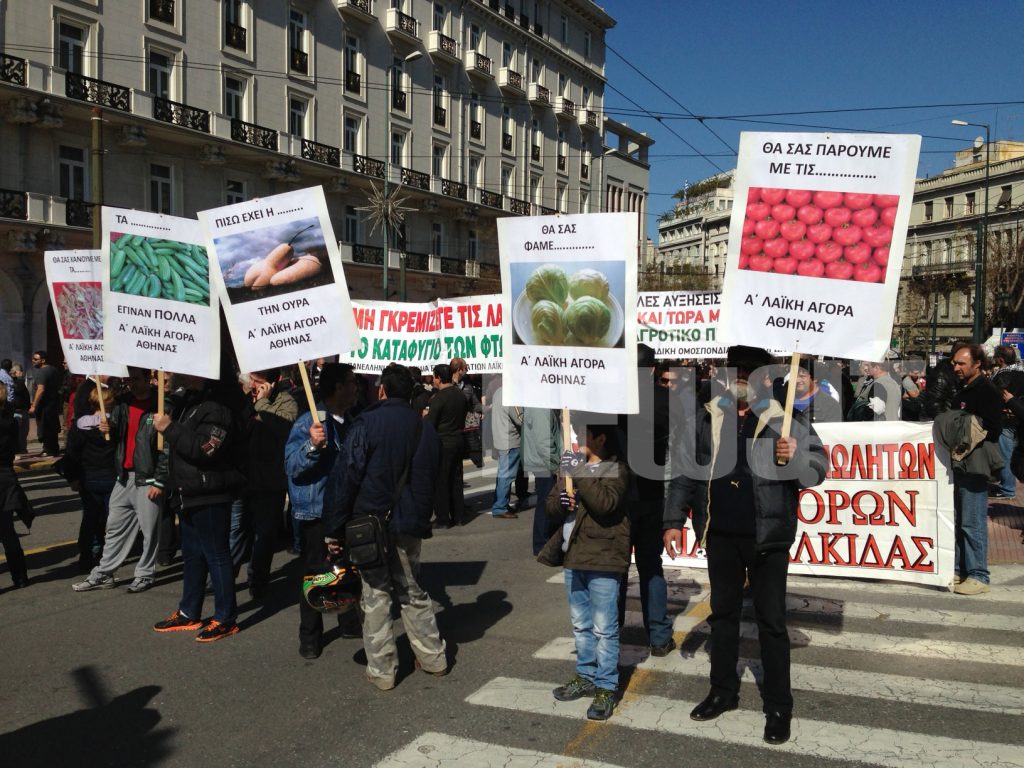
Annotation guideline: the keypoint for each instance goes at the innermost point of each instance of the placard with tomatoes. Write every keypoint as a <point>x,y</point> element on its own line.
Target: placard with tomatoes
<point>835,235</point>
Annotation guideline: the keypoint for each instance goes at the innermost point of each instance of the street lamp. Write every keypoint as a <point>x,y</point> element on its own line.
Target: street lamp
<point>981,254</point>
<point>387,176</point>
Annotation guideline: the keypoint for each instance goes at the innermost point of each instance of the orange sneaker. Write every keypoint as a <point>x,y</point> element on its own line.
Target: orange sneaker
<point>216,631</point>
<point>178,622</point>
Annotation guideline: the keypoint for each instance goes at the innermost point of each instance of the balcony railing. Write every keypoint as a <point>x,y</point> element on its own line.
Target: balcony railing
<point>960,267</point>
<point>12,69</point>
<point>13,204</point>
<point>495,5</point>
<point>453,189</point>
<point>368,166</point>
<point>234,36</point>
<point>441,42</point>
<point>588,118</point>
<point>490,199</point>
<point>510,12</point>
<point>535,154</point>
<point>78,213</point>
<point>450,266</point>
<point>440,116</point>
<point>480,64</point>
<point>475,129</point>
<point>539,94</point>
<point>490,271</point>
<point>506,142</point>
<point>509,78</point>
<point>162,10</point>
<point>524,21</point>
<point>173,112</point>
<point>353,82</point>
<point>360,5</point>
<point>543,210</point>
<point>367,254</point>
<point>584,171</point>
<point>418,261</point>
<point>257,135</point>
<point>398,100</point>
<point>538,29</point>
<point>321,153</point>
<point>299,61</point>
<point>415,179</point>
<point>561,162</point>
<point>97,92</point>
<point>566,108</point>
<point>519,207</point>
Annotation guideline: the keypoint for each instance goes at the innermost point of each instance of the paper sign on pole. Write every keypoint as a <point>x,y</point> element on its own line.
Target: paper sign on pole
<point>76,295</point>
<point>156,289</point>
<point>569,289</point>
<point>884,511</point>
<point>277,267</point>
<point>680,324</point>
<point>816,241</point>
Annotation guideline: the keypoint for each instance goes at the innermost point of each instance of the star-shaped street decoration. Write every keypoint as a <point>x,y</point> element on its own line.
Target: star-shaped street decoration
<point>386,208</point>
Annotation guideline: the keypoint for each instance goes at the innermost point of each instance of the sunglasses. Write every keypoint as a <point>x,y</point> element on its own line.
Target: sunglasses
<point>667,381</point>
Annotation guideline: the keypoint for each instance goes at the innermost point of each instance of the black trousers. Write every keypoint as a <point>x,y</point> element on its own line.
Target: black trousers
<point>12,548</point>
<point>314,553</point>
<point>264,513</point>
<point>48,428</point>
<point>730,559</point>
<point>169,536</point>
<point>448,498</point>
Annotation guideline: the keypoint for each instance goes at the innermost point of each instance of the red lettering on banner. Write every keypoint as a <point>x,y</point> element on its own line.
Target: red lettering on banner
<point>859,515</point>
<point>494,315</point>
<point>908,462</point>
<point>828,552</point>
<point>909,512</point>
<point>447,316</point>
<point>805,543</point>
<point>926,459</point>
<point>871,547</point>
<point>899,551</point>
<point>919,564</point>
<point>837,502</point>
<point>819,508</point>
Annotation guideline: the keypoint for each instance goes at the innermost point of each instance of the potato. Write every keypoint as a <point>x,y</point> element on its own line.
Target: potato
<point>305,267</point>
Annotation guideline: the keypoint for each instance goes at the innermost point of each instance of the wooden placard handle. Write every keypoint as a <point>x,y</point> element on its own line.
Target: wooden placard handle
<point>160,406</point>
<point>103,407</point>
<point>787,417</point>
<point>309,392</point>
<point>567,443</point>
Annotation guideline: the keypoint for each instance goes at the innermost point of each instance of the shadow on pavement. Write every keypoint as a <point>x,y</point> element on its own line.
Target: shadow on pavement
<point>107,732</point>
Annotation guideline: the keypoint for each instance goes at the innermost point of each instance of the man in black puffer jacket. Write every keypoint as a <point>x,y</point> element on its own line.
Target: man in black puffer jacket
<point>203,479</point>
<point>745,512</point>
<point>941,384</point>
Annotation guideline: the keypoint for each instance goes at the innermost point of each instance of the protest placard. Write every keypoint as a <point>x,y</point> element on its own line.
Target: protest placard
<point>569,289</point>
<point>680,324</point>
<point>425,334</point>
<point>160,313</point>
<point>277,267</point>
<point>884,511</point>
<point>74,279</point>
<point>816,241</point>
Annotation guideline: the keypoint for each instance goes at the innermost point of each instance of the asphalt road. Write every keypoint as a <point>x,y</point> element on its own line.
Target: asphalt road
<point>883,674</point>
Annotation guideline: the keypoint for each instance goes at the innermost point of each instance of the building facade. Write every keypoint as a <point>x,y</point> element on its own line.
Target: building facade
<point>694,236</point>
<point>476,109</point>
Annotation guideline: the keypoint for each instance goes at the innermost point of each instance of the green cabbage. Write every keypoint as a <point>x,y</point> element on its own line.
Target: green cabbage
<point>547,282</point>
<point>547,322</point>
<point>589,320</point>
<point>588,282</point>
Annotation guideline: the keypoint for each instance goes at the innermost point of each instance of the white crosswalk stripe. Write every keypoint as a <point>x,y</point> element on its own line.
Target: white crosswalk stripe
<point>437,750</point>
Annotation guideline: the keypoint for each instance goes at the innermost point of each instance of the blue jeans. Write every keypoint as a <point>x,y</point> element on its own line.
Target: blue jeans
<point>970,497</point>
<point>594,610</point>
<point>646,532</point>
<point>508,467</point>
<point>204,551</point>
<point>1007,442</point>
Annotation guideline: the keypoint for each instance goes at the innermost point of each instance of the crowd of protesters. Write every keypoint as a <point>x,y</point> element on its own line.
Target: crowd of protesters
<point>234,469</point>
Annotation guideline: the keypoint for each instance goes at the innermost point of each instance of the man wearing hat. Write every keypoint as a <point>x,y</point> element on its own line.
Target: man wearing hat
<point>741,479</point>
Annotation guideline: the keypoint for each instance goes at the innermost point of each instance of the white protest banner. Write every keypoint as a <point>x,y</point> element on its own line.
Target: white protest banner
<point>884,511</point>
<point>423,335</point>
<point>277,267</point>
<point>569,289</point>
<point>680,324</point>
<point>156,290</point>
<point>76,295</point>
<point>816,241</point>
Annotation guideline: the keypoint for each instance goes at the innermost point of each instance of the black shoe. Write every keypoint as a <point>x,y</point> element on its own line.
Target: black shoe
<point>309,650</point>
<point>713,706</point>
<point>257,592</point>
<point>663,650</point>
<point>576,688</point>
<point>776,728</point>
<point>20,582</point>
<point>163,561</point>
<point>603,705</point>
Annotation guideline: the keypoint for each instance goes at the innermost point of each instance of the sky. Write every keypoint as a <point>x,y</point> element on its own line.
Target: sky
<point>933,61</point>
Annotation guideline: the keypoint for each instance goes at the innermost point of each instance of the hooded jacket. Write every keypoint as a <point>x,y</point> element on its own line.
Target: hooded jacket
<point>964,436</point>
<point>150,464</point>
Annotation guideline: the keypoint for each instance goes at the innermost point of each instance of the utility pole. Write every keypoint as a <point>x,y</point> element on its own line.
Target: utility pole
<point>97,175</point>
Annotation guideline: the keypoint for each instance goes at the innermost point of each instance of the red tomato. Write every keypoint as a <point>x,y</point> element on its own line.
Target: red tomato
<point>748,227</point>
<point>887,201</point>
<point>809,214</point>
<point>785,266</point>
<point>767,229</point>
<point>847,235</point>
<point>839,270</point>
<point>751,245</point>
<point>783,212</point>
<point>867,273</point>
<point>798,197</point>
<point>857,200</point>
<point>888,216</point>
<point>836,217</point>
<point>793,230</point>
<point>776,248</point>
<point>865,217</point>
<point>753,195</point>
<point>761,263</point>
<point>758,211</point>
<point>819,233</point>
<point>876,237</point>
<point>829,251</point>
<point>773,196</point>
<point>880,256</point>
<point>801,250</point>
<point>857,254</point>
<point>828,199</point>
<point>744,261</point>
<point>810,268</point>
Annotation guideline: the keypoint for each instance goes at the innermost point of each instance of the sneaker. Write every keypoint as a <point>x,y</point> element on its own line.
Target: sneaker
<point>140,585</point>
<point>310,650</point>
<point>178,622</point>
<point>971,586</point>
<point>97,581</point>
<point>438,673</point>
<point>663,650</point>
<point>576,688</point>
<point>603,705</point>
<point>215,630</point>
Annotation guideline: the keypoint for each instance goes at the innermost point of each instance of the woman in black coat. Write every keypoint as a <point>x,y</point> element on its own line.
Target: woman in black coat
<point>12,498</point>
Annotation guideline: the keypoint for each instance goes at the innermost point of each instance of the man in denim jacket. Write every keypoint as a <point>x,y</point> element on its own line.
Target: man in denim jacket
<point>309,456</point>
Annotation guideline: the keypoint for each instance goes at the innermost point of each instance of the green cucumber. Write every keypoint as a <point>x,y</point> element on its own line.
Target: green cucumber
<point>117,259</point>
